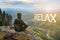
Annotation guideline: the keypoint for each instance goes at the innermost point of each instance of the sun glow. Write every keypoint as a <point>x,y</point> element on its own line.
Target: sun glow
<point>48,9</point>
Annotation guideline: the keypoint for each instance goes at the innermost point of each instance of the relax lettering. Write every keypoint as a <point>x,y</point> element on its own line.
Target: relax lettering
<point>47,17</point>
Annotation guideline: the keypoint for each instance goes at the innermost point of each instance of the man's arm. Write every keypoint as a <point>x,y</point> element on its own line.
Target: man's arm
<point>24,25</point>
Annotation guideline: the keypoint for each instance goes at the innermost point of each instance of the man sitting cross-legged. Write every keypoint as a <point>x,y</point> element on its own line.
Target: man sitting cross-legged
<point>19,25</point>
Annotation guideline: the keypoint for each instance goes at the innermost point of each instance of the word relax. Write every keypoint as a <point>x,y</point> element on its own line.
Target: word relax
<point>46,17</point>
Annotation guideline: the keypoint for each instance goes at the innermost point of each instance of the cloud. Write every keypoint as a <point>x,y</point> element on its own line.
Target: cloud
<point>37,4</point>
<point>27,1</point>
<point>14,4</point>
<point>48,5</point>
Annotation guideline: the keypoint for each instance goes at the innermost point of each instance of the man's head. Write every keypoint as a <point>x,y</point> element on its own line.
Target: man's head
<point>19,16</point>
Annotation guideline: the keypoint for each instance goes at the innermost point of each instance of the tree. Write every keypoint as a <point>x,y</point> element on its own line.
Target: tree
<point>0,17</point>
<point>0,11</point>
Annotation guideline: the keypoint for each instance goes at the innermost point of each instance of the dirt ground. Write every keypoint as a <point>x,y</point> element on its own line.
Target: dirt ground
<point>19,37</point>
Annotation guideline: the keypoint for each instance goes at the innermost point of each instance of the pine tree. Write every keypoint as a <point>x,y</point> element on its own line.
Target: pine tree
<point>0,17</point>
<point>0,11</point>
<point>3,15</point>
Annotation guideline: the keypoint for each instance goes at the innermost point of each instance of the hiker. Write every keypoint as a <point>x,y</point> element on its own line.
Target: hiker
<point>19,25</point>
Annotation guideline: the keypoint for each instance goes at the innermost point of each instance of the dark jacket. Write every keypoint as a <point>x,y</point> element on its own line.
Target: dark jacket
<point>19,25</point>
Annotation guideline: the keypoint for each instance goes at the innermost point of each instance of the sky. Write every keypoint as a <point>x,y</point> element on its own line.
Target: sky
<point>29,5</point>
<point>47,5</point>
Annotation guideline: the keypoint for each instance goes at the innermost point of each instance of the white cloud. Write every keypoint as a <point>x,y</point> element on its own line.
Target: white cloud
<point>15,0</point>
<point>27,1</point>
<point>9,6</point>
<point>48,6</point>
<point>38,4</point>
